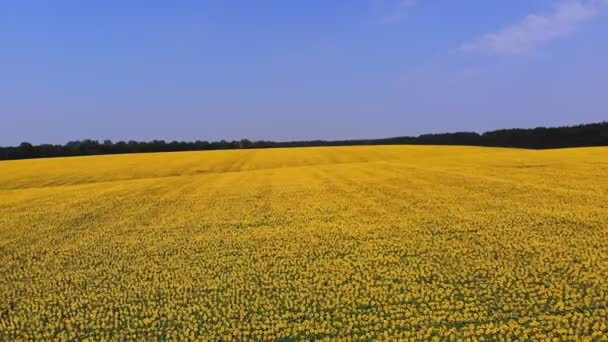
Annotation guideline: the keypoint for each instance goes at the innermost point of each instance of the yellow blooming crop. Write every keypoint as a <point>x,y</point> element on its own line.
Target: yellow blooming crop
<point>342,243</point>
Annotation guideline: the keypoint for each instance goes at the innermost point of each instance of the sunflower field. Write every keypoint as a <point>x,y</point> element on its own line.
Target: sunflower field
<point>331,243</point>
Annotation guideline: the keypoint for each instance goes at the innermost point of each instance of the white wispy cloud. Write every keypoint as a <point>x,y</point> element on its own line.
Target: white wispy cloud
<point>536,29</point>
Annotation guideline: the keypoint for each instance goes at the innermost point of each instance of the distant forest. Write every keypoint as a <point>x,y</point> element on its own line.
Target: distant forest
<point>536,138</point>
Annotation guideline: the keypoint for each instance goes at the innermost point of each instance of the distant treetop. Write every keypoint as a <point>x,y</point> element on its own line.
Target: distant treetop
<point>595,134</point>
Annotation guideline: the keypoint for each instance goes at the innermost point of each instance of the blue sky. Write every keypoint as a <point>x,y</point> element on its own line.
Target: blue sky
<point>291,70</point>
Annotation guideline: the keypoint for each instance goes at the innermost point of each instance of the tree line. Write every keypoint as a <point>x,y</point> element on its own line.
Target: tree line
<point>595,134</point>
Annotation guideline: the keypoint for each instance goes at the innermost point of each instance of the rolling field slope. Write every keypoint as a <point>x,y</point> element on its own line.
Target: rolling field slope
<point>383,242</point>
